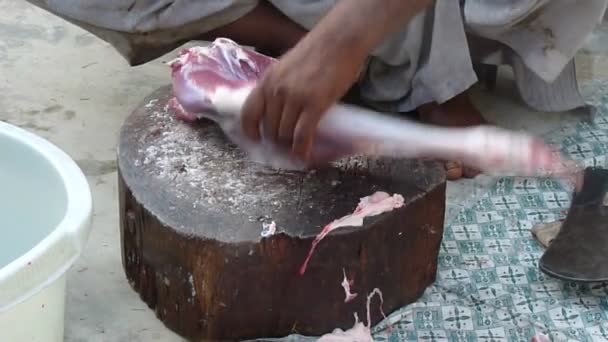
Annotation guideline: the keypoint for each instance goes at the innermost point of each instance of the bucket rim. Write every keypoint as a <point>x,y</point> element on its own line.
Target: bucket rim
<point>53,255</point>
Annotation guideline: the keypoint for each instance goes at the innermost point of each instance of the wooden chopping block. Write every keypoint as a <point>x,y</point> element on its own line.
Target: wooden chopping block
<point>192,209</point>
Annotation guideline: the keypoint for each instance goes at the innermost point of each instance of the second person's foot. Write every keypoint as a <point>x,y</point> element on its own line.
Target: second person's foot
<point>457,112</point>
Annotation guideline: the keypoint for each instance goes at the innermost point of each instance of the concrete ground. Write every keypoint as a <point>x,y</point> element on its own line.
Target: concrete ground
<point>69,87</point>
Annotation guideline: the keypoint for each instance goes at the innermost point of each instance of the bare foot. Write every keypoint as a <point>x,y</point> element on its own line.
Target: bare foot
<point>457,112</point>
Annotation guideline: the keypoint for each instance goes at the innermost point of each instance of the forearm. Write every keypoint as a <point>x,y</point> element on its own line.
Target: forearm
<point>359,26</point>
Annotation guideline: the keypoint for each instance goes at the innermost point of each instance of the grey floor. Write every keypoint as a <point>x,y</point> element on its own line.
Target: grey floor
<point>74,90</point>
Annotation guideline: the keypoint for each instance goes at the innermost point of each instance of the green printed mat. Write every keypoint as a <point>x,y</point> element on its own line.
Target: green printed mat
<point>489,286</point>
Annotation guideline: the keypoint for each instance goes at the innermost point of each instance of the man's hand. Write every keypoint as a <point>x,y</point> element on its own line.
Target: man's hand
<point>294,93</point>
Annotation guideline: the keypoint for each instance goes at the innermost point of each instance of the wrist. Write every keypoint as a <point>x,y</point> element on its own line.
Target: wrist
<point>357,27</point>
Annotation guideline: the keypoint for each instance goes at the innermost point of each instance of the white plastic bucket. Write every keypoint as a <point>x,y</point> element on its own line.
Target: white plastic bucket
<point>45,213</point>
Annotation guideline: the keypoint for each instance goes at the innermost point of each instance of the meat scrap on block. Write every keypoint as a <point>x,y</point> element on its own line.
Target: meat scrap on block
<point>375,204</point>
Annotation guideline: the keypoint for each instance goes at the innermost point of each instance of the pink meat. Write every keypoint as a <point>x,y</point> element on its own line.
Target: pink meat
<point>214,82</point>
<point>359,332</point>
<point>199,72</point>
<point>376,204</point>
<point>346,284</point>
<point>541,338</point>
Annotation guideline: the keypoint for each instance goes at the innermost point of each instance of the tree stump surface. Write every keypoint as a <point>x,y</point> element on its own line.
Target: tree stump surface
<point>192,207</point>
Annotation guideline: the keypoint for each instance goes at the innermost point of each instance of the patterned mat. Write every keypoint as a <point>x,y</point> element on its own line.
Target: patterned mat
<point>489,286</point>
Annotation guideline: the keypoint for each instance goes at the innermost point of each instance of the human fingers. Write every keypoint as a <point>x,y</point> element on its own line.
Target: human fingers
<point>252,113</point>
<point>274,100</point>
<point>304,134</point>
<point>289,119</point>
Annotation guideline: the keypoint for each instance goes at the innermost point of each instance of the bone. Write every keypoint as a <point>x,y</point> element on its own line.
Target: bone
<point>215,81</point>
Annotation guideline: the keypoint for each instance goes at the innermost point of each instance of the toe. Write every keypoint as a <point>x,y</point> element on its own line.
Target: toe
<point>469,172</point>
<point>453,170</point>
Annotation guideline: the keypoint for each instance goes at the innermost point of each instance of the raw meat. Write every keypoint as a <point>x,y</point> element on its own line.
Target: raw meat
<point>214,81</point>
<point>346,284</point>
<point>359,332</point>
<point>541,338</point>
<point>369,300</point>
<point>268,229</point>
<point>376,204</point>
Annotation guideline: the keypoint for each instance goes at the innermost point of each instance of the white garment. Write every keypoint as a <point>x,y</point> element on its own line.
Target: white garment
<point>545,33</point>
<point>428,60</point>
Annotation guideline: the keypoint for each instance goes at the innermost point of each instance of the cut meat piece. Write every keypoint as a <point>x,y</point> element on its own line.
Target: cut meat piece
<point>358,333</point>
<point>180,112</point>
<point>346,284</point>
<point>214,82</point>
<point>268,229</point>
<point>541,338</point>
<point>376,204</point>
